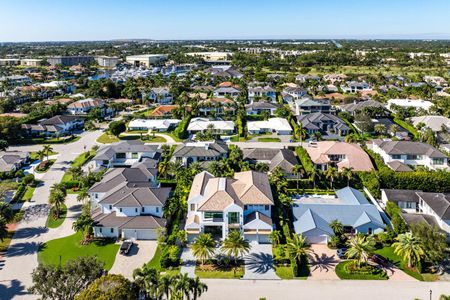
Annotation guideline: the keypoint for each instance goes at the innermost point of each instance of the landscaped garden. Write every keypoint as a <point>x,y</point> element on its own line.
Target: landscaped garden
<point>212,270</point>
<point>350,270</point>
<point>44,166</point>
<point>268,139</point>
<point>107,138</point>
<point>61,250</point>
<point>55,222</point>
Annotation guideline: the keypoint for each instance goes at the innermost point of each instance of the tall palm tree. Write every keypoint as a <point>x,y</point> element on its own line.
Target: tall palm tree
<point>40,154</point>
<point>56,200</point>
<point>47,149</point>
<point>337,227</point>
<point>82,195</point>
<point>235,245</point>
<point>183,284</point>
<point>409,247</point>
<point>173,167</point>
<point>83,224</point>
<point>203,247</point>
<point>331,174</point>
<point>147,279</point>
<point>297,247</point>
<point>275,237</point>
<point>197,287</point>
<point>347,173</point>
<point>76,172</point>
<point>297,170</point>
<point>167,285</point>
<point>313,174</point>
<point>359,248</point>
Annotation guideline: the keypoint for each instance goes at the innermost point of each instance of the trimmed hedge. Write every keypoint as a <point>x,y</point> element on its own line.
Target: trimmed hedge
<point>305,159</point>
<point>180,132</point>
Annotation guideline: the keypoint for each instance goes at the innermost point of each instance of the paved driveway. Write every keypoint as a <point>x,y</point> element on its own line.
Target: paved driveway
<point>141,253</point>
<point>323,260</point>
<point>259,263</point>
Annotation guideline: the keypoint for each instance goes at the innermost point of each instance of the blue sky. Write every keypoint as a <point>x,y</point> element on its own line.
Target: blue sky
<point>49,20</point>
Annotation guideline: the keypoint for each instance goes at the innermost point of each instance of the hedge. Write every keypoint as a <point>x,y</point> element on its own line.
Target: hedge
<point>180,132</point>
<point>305,159</point>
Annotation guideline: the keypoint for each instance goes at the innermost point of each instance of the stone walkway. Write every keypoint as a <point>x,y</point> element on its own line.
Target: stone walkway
<point>188,262</point>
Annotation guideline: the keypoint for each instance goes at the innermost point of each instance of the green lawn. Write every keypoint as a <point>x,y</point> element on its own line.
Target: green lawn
<point>6,241</point>
<point>177,139</point>
<point>69,247</point>
<point>81,159</point>
<point>220,274</point>
<point>146,139</point>
<point>269,139</point>
<point>55,223</point>
<point>388,252</point>
<point>33,155</point>
<point>342,271</point>
<point>107,139</point>
<point>28,193</point>
<point>284,272</point>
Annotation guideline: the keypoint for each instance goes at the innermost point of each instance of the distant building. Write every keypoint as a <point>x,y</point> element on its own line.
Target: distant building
<point>146,60</point>
<point>306,106</point>
<point>159,125</point>
<point>406,103</point>
<point>9,61</point>
<point>203,124</point>
<point>30,62</point>
<point>106,61</point>
<point>212,57</point>
<point>67,61</point>
<point>279,126</point>
<point>202,152</point>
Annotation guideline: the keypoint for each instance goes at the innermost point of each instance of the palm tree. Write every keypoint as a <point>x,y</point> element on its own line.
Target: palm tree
<point>394,129</point>
<point>83,224</point>
<point>330,174</point>
<point>297,247</point>
<point>297,170</point>
<point>215,168</point>
<point>275,237</point>
<point>337,227</point>
<point>313,174</point>
<point>380,129</point>
<point>82,195</point>
<point>359,248</point>
<point>203,247</point>
<point>3,228</point>
<point>47,149</point>
<point>76,172</point>
<point>56,200</point>
<point>183,284</point>
<point>167,285</point>
<point>197,287</point>
<point>347,173</point>
<point>409,247</point>
<point>40,154</point>
<point>6,211</point>
<point>173,167</point>
<point>195,168</point>
<point>147,279</point>
<point>235,245</point>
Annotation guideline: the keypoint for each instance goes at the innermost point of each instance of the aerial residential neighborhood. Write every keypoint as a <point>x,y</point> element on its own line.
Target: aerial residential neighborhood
<point>247,150</point>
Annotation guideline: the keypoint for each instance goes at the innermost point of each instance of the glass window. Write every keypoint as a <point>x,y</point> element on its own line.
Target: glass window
<point>136,210</point>
<point>192,207</point>
<point>134,155</point>
<point>396,156</point>
<point>157,209</point>
<point>110,207</point>
<point>100,230</point>
<point>120,155</point>
<point>143,209</point>
<point>233,218</point>
<point>120,209</point>
<point>266,207</point>
<point>105,162</point>
<point>112,230</point>
<point>438,161</point>
<point>212,215</point>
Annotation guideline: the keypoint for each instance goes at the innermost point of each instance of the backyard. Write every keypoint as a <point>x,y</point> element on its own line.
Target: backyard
<point>61,250</point>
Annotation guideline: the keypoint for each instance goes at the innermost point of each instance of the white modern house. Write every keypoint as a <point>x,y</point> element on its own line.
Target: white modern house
<point>279,126</point>
<point>159,95</point>
<point>411,154</point>
<point>221,205</point>
<point>83,107</point>
<point>406,103</point>
<point>226,91</point>
<point>262,93</point>
<point>158,125</point>
<point>124,154</point>
<point>201,152</point>
<point>203,124</point>
<point>354,87</point>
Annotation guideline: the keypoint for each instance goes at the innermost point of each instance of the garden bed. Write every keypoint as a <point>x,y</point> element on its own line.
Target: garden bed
<point>44,166</point>
<point>388,252</point>
<point>349,270</point>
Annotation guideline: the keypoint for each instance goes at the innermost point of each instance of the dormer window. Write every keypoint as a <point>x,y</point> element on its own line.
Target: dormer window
<point>157,209</point>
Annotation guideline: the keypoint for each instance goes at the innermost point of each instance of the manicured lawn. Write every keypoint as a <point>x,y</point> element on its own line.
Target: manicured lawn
<point>107,138</point>
<point>55,223</point>
<point>28,193</point>
<point>268,139</point>
<point>155,262</point>
<point>69,247</point>
<point>284,272</point>
<point>81,159</point>
<point>211,271</point>
<point>6,241</point>
<point>177,139</point>
<point>145,138</point>
<point>343,272</point>
<point>33,155</point>
<point>388,252</point>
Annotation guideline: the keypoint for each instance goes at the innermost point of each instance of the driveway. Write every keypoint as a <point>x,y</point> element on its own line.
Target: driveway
<point>141,253</point>
<point>189,262</point>
<point>259,263</point>
<point>323,261</point>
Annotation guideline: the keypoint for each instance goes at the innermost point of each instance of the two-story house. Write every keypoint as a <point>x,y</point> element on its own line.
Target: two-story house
<point>57,125</point>
<point>306,106</point>
<point>83,107</point>
<point>124,154</point>
<point>160,95</point>
<point>265,93</point>
<point>226,91</point>
<point>411,154</point>
<point>201,152</point>
<point>126,205</point>
<point>326,124</point>
<point>220,205</point>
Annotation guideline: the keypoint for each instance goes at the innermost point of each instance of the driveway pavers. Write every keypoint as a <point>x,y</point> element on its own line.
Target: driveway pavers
<point>259,263</point>
<point>323,261</point>
<point>141,252</point>
<point>189,262</point>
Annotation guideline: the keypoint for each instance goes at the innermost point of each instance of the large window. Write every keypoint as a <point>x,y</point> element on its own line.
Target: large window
<point>213,215</point>
<point>438,161</point>
<point>120,155</point>
<point>233,218</point>
<point>396,156</point>
<point>413,157</point>
<point>134,155</point>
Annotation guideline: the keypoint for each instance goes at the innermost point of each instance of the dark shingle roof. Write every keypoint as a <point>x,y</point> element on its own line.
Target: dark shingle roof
<point>439,203</point>
<point>407,147</point>
<point>402,195</point>
<point>210,150</point>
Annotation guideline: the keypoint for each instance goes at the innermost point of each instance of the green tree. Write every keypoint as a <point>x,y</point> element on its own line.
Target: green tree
<point>47,149</point>
<point>432,240</point>
<point>109,287</point>
<point>3,229</point>
<point>298,170</point>
<point>347,173</point>
<point>3,145</point>
<point>297,247</point>
<point>65,282</point>
<point>337,227</point>
<point>331,174</point>
<point>359,248</point>
<point>56,200</point>
<point>409,247</point>
<point>117,127</point>
<point>197,288</point>
<point>84,222</point>
<point>6,211</point>
<point>234,245</point>
<point>203,247</point>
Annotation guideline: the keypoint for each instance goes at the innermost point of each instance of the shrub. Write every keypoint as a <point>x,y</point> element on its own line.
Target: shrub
<point>28,179</point>
<point>305,159</point>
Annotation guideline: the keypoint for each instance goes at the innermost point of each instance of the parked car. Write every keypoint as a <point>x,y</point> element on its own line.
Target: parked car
<point>341,252</point>
<point>378,259</point>
<point>126,247</point>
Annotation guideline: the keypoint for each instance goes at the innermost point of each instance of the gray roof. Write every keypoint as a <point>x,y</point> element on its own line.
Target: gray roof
<point>60,120</point>
<point>107,152</point>
<point>398,166</point>
<point>402,195</point>
<point>136,195</point>
<point>117,177</point>
<point>419,218</point>
<point>262,105</point>
<point>215,149</point>
<point>351,196</point>
<point>311,102</point>
<point>9,158</point>
<point>137,222</point>
<point>257,215</point>
<point>439,203</point>
<point>283,158</point>
<point>315,120</point>
<point>407,147</point>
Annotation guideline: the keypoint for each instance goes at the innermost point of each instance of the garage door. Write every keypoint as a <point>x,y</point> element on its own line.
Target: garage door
<point>317,239</point>
<point>258,238</point>
<point>140,234</point>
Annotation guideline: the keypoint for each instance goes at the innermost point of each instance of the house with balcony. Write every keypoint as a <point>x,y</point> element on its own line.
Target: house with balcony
<point>306,106</point>
<point>126,204</point>
<point>221,205</point>
<point>124,154</point>
<point>262,93</point>
<point>83,107</point>
<point>226,92</point>
<point>354,87</point>
<point>260,107</point>
<point>410,154</point>
<point>160,95</point>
